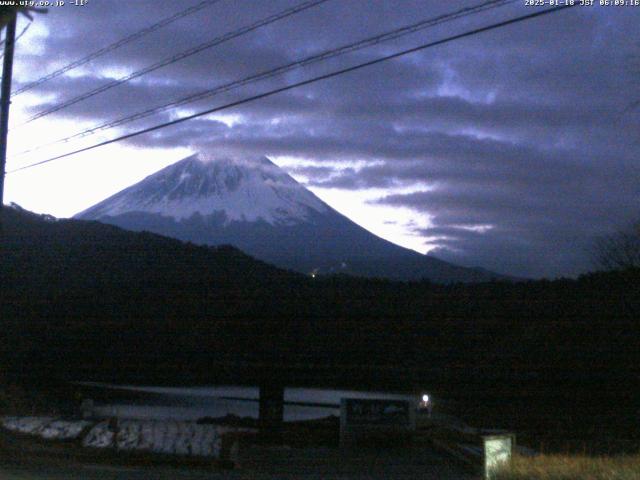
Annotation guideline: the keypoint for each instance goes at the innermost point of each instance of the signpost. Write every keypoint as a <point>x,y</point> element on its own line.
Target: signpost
<point>5,95</point>
<point>8,17</point>
<point>497,453</point>
<point>271,411</point>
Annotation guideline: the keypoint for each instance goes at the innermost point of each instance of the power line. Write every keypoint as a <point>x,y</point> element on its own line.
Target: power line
<point>327,54</point>
<point>180,56</point>
<point>123,41</point>
<point>24,30</point>
<point>387,36</point>
<point>303,83</point>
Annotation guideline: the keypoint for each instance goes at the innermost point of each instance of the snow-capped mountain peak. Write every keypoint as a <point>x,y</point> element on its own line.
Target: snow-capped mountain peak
<point>242,190</point>
<point>255,206</point>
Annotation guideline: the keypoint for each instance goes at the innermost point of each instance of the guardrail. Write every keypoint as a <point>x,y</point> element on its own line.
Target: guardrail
<point>480,450</point>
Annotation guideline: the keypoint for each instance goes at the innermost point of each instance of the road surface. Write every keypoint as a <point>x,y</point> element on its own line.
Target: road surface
<point>263,464</point>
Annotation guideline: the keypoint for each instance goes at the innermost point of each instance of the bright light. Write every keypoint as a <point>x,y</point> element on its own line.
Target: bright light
<point>425,398</point>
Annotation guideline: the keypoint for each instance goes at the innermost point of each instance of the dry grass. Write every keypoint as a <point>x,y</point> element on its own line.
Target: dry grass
<point>573,467</point>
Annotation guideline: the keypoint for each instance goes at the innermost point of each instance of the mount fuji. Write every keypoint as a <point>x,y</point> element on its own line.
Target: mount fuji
<point>257,207</point>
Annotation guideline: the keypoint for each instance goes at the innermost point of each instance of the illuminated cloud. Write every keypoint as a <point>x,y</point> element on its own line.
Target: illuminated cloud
<point>513,150</point>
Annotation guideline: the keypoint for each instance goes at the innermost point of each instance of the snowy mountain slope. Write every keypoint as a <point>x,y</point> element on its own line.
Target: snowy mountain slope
<point>257,207</point>
<point>242,191</point>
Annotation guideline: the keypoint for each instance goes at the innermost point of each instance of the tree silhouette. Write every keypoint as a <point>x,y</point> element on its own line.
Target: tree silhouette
<point>620,250</point>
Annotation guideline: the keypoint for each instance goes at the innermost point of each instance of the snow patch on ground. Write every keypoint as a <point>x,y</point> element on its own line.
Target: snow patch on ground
<point>171,437</point>
<point>100,436</point>
<point>158,436</point>
<point>46,427</point>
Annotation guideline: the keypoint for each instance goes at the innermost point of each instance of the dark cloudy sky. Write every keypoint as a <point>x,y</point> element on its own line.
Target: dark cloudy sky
<point>512,150</point>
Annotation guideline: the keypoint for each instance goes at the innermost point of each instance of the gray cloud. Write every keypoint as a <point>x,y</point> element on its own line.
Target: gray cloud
<point>526,130</point>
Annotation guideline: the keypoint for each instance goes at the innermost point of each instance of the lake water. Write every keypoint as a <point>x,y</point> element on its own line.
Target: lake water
<point>198,402</point>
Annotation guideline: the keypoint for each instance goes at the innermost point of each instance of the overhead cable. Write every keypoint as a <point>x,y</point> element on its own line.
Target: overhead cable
<point>325,55</point>
<point>109,48</point>
<point>303,83</point>
<point>180,56</point>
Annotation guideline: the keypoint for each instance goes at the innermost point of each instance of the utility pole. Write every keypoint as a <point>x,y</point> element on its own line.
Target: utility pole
<point>5,102</point>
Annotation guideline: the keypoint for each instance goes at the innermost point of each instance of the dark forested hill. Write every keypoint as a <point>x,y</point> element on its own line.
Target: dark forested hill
<point>83,300</point>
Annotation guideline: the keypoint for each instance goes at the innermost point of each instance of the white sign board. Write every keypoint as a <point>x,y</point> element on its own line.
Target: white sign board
<point>497,452</point>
